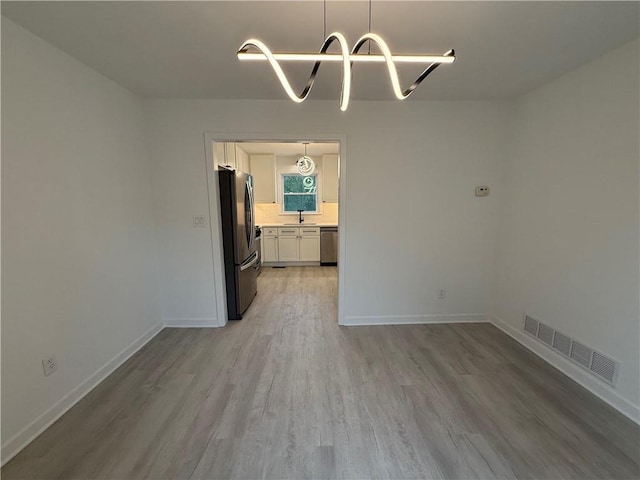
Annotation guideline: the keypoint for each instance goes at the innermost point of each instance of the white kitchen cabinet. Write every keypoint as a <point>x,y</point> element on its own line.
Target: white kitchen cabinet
<point>269,248</point>
<point>269,244</point>
<point>330,178</point>
<point>263,169</point>
<point>242,160</point>
<point>288,245</point>
<point>309,248</point>
<point>219,153</point>
<point>230,155</point>
<point>309,244</point>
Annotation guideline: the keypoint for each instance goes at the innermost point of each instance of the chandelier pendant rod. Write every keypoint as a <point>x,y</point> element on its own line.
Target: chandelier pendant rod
<point>324,30</point>
<point>369,52</point>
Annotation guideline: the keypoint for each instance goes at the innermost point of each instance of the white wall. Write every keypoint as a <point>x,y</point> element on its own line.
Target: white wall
<point>413,223</point>
<point>78,241</point>
<point>568,245</point>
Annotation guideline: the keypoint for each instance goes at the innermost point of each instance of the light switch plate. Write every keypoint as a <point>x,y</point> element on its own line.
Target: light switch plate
<point>199,221</point>
<point>482,191</point>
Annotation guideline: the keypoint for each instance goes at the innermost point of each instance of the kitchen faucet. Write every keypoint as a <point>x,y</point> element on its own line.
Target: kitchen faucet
<point>300,219</point>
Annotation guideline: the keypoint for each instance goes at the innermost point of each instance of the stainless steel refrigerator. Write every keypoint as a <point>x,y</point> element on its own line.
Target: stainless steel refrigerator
<point>238,236</point>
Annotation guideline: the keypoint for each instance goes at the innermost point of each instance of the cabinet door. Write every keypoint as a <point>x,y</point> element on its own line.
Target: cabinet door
<point>230,155</point>
<point>269,249</point>
<point>263,169</point>
<point>242,159</point>
<point>330,178</point>
<point>309,249</point>
<point>218,154</point>
<point>287,248</point>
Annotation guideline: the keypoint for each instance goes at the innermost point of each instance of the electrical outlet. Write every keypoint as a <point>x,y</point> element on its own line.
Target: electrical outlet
<point>442,293</point>
<point>49,365</point>
<point>482,191</point>
<point>198,221</point>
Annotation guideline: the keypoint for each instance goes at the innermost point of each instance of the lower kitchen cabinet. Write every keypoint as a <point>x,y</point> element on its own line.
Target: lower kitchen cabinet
<point>309,248</point>
<point>291,244</point>
<point>269,248</point>
<point>288,248</point>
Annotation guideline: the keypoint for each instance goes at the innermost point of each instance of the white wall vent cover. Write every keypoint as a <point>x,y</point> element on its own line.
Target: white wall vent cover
<point>545,334</point>
<point>595,362</point>
<point>581,354</point>
<point>604,366</point>
<point>530,326</point>
<point>562,343</point>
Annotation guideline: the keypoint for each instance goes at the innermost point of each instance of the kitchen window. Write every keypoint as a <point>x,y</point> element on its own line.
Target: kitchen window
<point>299,193</point>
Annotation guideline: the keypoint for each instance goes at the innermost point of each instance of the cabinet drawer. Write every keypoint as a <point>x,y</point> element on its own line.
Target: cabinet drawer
<point>270,231</point>
<point>288,231</point>
<point>309,231</point>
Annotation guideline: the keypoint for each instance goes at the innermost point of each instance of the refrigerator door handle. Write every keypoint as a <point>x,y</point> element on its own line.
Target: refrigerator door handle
<point>250,263</point>
<point>252,223</point>
<point>253,213</point>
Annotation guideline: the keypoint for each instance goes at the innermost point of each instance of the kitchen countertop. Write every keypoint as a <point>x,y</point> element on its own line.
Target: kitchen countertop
<point>311,224</point>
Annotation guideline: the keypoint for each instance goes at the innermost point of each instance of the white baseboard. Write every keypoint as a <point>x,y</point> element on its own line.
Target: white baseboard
<point>191,322</point>
<point>576,373</point>
<point>290,264</point>
<point>350,320</point>
<point>15,444</point>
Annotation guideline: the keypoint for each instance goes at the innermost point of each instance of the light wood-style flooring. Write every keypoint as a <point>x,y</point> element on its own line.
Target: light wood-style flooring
<point>287,393</point>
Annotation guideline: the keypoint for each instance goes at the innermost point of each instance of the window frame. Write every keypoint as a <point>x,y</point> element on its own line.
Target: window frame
<point>281,194</point>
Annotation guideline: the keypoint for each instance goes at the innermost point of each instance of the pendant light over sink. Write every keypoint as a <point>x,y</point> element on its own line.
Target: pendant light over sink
<point>306,165</point>
<point>346,58</point>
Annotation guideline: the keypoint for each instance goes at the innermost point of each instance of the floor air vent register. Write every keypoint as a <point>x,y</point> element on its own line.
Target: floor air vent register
<point>595,362</point>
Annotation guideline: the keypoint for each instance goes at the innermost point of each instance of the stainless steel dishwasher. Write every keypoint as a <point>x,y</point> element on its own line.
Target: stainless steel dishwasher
<point>328,245</point>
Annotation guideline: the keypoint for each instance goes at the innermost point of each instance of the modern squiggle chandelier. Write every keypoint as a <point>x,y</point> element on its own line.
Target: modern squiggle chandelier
<point>347,58</point>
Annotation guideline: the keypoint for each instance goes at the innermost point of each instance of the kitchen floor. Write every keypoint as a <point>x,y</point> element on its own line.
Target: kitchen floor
<point>287,393</point>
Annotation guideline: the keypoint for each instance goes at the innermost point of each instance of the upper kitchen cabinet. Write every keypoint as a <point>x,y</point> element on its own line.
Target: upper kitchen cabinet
<point>242,160</point>
<point>232,155</point>
<point>219,153</point>
<point>330,178</point>
<point>263,169</point>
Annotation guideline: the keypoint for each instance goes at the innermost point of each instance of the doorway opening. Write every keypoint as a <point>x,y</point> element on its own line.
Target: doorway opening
<point>298,214</point>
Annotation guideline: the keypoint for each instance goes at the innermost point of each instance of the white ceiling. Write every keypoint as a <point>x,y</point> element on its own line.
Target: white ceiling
<point>290,148</point>
<point>187,49</point>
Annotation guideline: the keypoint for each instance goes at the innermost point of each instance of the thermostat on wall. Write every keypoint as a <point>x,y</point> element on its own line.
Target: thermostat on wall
<point>482,191</point>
